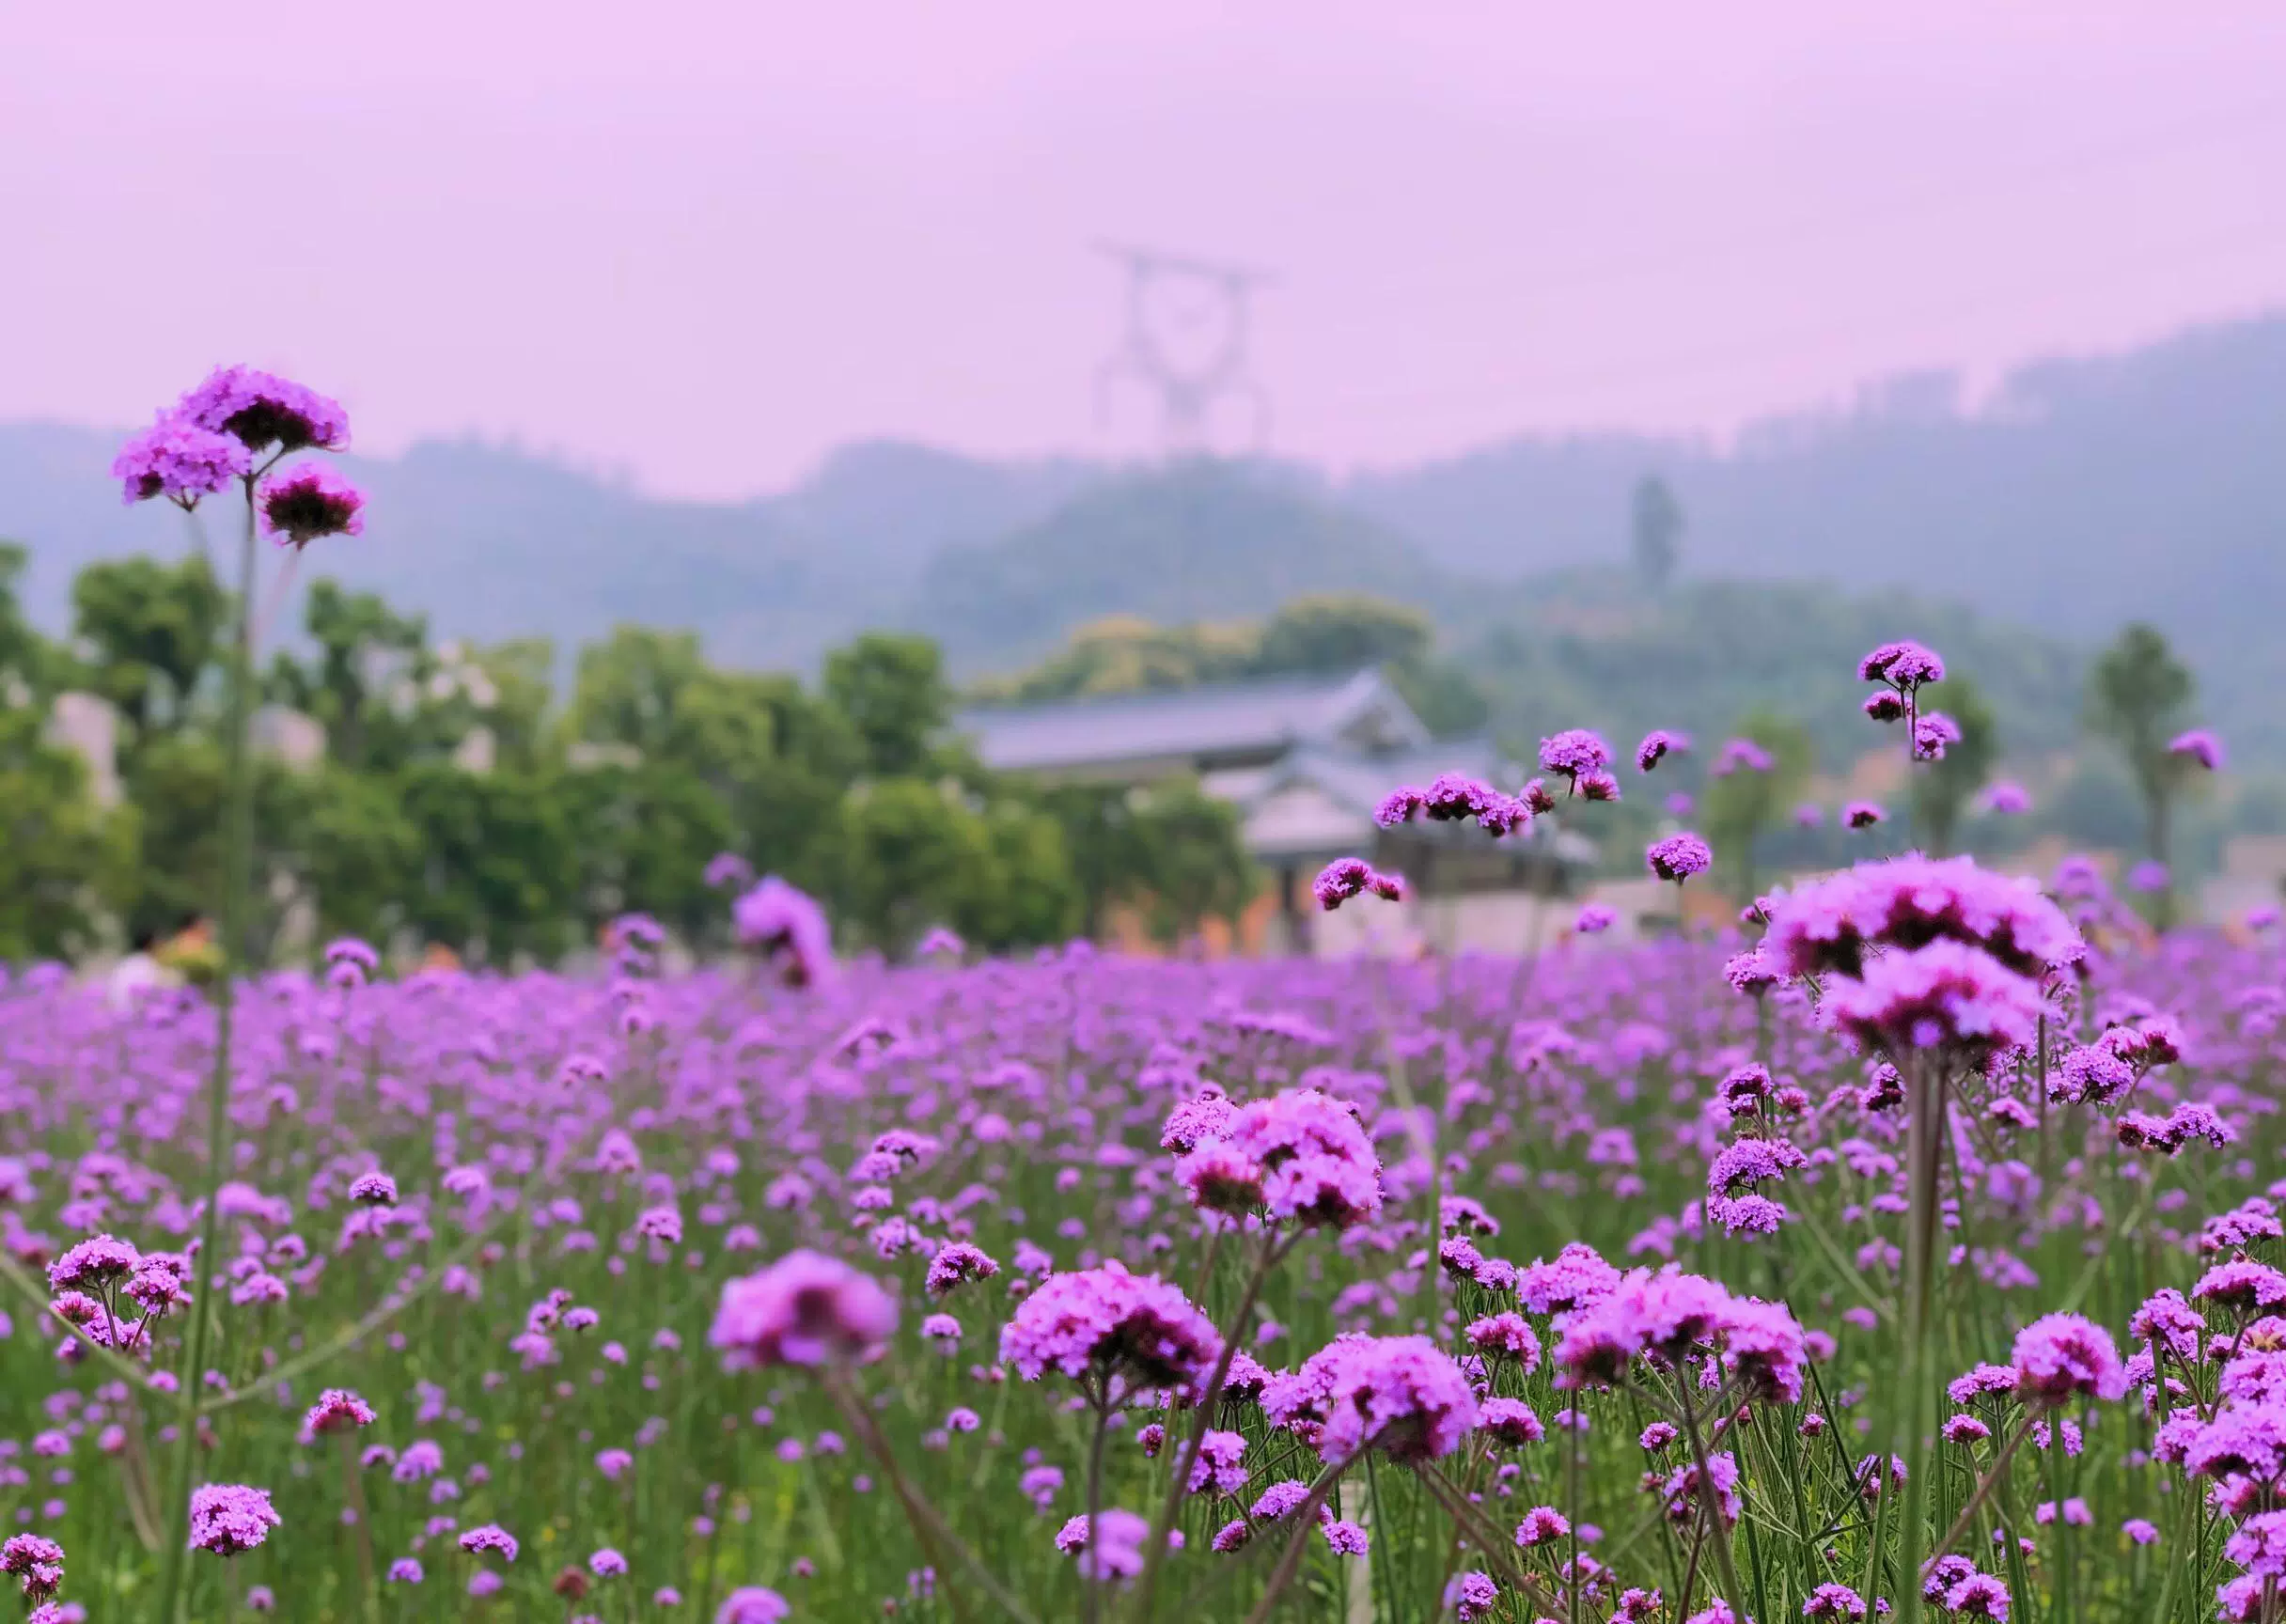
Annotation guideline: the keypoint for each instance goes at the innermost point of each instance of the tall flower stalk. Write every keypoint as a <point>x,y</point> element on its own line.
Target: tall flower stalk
<point>238,878</point>
<point>1925,1090</point>
<point>235,426</point>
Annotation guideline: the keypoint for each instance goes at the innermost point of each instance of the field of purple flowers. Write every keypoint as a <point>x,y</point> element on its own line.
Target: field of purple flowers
<point>1908,1251</point>
<point>1575,1289</point>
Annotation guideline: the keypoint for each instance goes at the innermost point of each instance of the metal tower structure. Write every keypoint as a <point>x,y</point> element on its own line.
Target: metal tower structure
<point>1171,297</point>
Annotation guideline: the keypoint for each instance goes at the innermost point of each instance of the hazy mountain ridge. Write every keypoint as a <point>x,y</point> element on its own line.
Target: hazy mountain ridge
<point>2084,492</point>
<point>1196,541</point>
<point>2054,504</point>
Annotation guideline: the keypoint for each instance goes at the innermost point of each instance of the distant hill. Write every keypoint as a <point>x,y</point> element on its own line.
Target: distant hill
<point>2080,493</point>
<point>494,543</point>
<point>1594,647</point>
<point>1197,542</point>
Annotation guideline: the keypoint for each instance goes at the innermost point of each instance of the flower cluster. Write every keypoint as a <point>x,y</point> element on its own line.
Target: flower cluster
<point>1300,1156</point>
<point>1456,797</point>
<point>805,1310</point>
<point>1348,877</point>
<point>1098,1326</point>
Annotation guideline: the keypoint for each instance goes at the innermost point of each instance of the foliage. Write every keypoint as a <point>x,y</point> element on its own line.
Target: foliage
<point>498,875</point>
<point>892,689</point>
<point>705,1132</point>
<point>354,852</point>
<point>1742,806</point>
<point>1190,541</point>
<point>1316,634</point>
<point>151,631</point>
<point>25,656</point>
<point>644,837</point>
<point>367,654</point>
<point>175,785</point>
<point>1339,633</point>
<point>1942,790</point>
<point>1657,533</point>
<point>2138,695</point>
<point>1594,648</point>
<point>1169,851</point>
<point>1195,866</point>
<point>64,861</point>
<point>910,855</point>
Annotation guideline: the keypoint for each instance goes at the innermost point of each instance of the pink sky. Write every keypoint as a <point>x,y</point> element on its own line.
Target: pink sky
<point>709,239</point>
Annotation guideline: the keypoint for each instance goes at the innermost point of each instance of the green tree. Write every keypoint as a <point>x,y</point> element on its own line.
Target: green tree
<point>64,860</point>
<point>1343,632</point>
<point>787,806</point>
<point>2138,695</point>
<point>1104,845</point>
<point>176,784</point>
<point>1445,694</point>
<point>646,835</point>
<point>520,670</point>
<point>1942,790</point>
<point>779,756</point>
<point>630,690</point>
<point>150,630</point>
<point>1168,850</point>
<point>1196,865</point>
<point>1128,654</point>
<point>1740,807</point>
<point>25,656</point>
<point>354,854</point>
<point>1028,894</point>
<point>499,872</point>
<point>365,648</point>
<point>1656,532</point>
<point>910,855</point>
<point>892,688</point>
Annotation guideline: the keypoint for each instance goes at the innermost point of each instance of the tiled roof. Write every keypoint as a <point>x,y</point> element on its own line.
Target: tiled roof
<point>1236,719</point>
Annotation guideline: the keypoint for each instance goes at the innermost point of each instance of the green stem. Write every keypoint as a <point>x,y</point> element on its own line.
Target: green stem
<point>238,878</point>
<point>1305,1523</point>
<point>353,1484</point>
<point>1154,1549</point>
<point>389,1309</point>
<point>1924,1159</point>
<point>1095,1502</point>
<point>1709,1510</point>
<point>930,1529</point>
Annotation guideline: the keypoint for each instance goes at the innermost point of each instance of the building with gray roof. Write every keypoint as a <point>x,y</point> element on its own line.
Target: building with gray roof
<point>1306,761</point>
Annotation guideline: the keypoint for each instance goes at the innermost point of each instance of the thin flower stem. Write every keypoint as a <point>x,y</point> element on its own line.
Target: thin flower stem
<point>1709,1510</point>
<point>1154,1544</point>
<point>110,1358</point>
<point>927,1525</point>
<point>1690,1568</point>
<point>1095,1497</point>
<point>1985,1485</point>
<point>388,1311</point>
<point>1572,1516</point>
<point>1492,1544</point>
<point>1305,1522</point>
<point>279,586</point>
<point>352,1485</point>
<point>2064,1609</point>
<point>136,1482</point>
<point>1925,1093</point>
<point>237,880</point>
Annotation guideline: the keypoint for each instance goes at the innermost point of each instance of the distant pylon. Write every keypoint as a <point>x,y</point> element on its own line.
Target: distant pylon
<point>1187,390</point>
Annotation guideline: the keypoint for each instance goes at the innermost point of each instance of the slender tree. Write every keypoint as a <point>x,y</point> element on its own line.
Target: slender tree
<point>1658,525</point>
<point>1943,788</point>
<point>2138,695</point>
